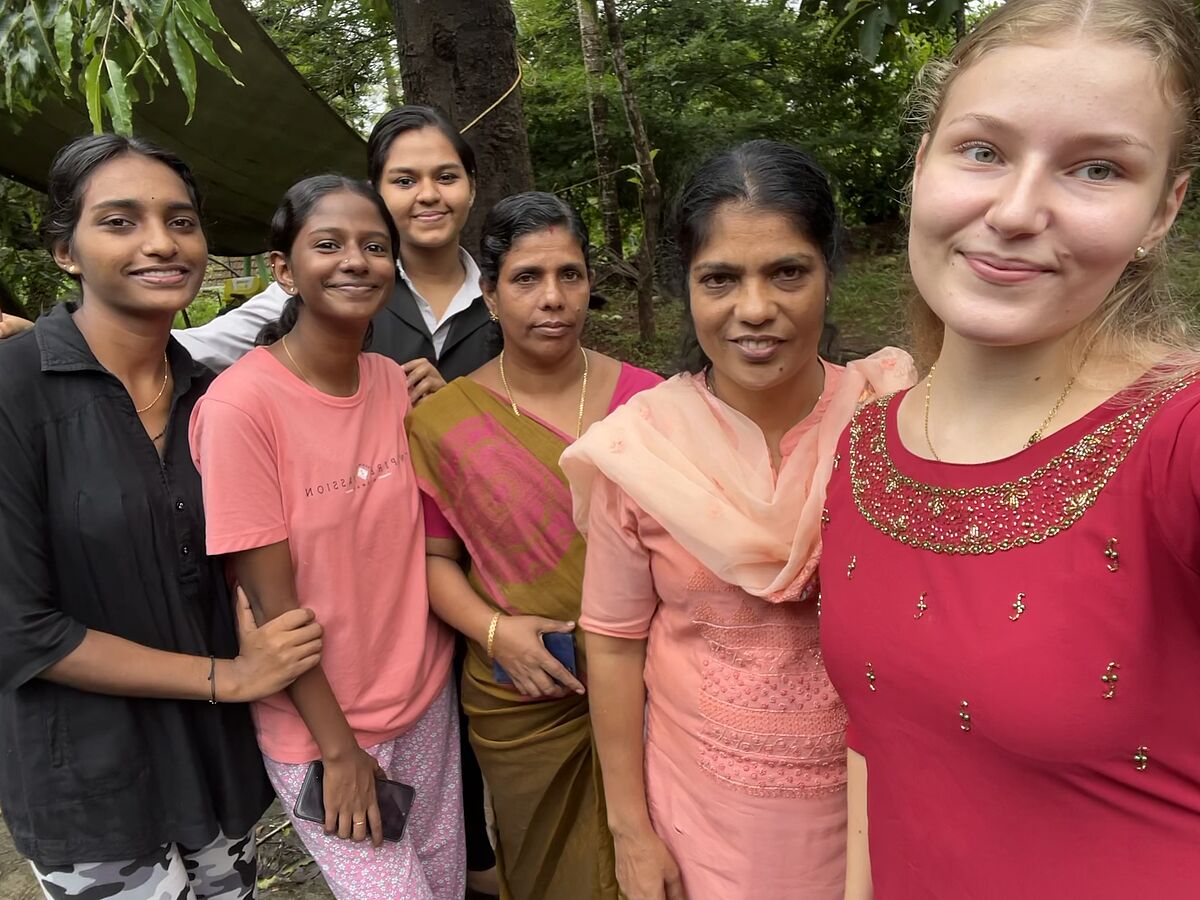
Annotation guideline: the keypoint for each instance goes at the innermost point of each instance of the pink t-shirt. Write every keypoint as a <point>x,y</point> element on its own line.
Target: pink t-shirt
<point>331,475</point>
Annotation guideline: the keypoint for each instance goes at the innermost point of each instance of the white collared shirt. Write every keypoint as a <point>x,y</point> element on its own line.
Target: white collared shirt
<point>225,339</point>
<point>467,293</point>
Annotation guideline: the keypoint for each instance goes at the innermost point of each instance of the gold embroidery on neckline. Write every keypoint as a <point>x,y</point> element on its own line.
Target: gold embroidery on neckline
<point>994,517</point>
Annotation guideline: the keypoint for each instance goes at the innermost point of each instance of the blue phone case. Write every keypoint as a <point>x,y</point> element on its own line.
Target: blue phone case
<point>561,646</point>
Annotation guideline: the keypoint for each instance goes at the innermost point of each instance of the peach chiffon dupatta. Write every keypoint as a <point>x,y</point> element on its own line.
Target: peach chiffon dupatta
<point>703,471</point>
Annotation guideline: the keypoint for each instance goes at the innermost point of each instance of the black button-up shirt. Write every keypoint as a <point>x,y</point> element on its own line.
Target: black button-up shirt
<point>96,531</point>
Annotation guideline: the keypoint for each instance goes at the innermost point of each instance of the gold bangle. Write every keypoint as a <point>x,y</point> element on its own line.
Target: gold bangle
<point>492,634</point>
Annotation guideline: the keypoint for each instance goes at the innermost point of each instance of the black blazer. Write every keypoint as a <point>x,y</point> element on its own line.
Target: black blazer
<point>400,333</point>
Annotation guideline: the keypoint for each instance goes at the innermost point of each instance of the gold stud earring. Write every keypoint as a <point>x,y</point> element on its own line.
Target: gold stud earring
<point>493,317</point>
<point>73,270</point>
<point>1140,253</point>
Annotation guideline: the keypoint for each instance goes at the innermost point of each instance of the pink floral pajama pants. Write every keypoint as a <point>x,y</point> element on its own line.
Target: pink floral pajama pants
<point>430,862</point>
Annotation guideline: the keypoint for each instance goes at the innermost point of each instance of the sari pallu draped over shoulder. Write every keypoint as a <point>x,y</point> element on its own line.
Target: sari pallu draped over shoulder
<point>496,479</point>
<point>703,471</point>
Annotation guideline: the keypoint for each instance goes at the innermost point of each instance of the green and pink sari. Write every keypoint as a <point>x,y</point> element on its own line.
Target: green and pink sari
<point>495,479</point>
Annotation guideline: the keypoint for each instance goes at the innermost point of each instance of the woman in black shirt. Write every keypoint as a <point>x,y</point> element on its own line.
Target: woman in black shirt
<point>128,762</point>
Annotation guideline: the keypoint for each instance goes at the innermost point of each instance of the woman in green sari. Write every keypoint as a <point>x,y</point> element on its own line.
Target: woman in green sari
<point>505,559</point>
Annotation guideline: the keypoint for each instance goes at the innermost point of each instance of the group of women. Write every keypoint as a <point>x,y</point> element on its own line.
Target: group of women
<point>827,634</point>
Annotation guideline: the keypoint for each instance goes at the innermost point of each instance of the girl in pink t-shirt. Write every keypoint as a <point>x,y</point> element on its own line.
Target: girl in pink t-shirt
<point>309,488</point>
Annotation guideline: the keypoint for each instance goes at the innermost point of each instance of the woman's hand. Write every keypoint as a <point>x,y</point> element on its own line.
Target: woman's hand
<point>270,657</point>
<point>534,671</point>
<point>351,807</point>
<point>423,379</point>
<point>645,868</point>
<point>11,325</point>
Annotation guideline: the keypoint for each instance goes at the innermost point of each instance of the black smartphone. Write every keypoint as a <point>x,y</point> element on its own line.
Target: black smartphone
<point>561,646</point>
<point>395,800</point>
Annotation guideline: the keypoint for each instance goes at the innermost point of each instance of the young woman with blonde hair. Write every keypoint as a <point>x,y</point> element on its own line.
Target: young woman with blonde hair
<point>1012,554</point>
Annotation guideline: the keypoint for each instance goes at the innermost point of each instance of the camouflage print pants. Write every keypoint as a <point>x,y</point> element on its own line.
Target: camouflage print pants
<point>223,870</point>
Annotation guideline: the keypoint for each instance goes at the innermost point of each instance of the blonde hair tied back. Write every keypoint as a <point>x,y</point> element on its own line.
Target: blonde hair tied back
<point>1142,320</point>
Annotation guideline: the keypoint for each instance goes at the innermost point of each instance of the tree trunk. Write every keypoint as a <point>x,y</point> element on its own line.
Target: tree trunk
<point>461,56</point>
<point>593,62</point>
<point>651,190</point>
<point>395,96</point>
<point>960,21</point>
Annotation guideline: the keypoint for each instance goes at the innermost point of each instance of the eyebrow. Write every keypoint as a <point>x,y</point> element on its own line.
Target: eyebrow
<point>1104,139</point>
<point>174,206</point>
<point>792,259</point>
<point>333,229</point>
<point>408,170</point>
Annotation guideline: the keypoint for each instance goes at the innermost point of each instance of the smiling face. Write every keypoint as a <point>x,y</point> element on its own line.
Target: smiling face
<point>757,289</point>
<point>426,188</point>
<point>541,293</point>
<point>138,245</point>
<point>341,261</point>
<point>1048,168</point>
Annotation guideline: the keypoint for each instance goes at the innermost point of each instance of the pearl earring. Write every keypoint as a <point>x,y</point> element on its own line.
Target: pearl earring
<point>1140,253</point>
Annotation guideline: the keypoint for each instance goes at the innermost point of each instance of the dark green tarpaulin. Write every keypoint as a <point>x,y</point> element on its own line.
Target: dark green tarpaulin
<point>247,144</point>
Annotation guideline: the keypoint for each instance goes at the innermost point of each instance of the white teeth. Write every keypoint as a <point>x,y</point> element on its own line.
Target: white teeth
<point>752,344</point>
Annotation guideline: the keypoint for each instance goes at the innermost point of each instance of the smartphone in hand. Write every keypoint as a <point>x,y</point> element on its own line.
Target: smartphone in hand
<point>395,801</point>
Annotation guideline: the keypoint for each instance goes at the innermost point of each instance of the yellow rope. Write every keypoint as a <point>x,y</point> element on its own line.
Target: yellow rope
<point>512,87</point>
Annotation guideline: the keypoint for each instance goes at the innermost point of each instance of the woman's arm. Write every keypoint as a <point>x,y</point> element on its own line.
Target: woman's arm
<point>227,338</point>
<point>39,640</point>
<point>858,852</point>
<point>267,576</point>
<point>270,658</point>
<point>645,867</point>
<point>517,643</point>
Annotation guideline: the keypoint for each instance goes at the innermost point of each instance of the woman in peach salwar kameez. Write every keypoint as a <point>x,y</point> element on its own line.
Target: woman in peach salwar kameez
<point>702,501</point>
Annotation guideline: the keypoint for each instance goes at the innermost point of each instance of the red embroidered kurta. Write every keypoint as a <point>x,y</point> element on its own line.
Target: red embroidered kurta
<point>1018,646</point>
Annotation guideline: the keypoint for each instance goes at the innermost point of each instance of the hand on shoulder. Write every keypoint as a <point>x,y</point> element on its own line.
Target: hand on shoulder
<point>11,325</point>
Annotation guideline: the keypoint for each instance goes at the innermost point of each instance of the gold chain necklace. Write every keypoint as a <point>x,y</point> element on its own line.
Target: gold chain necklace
<point>161,390</point>
<point>1033,438</point>
<point>299,371</point>
<point>304,375</point>
<point>582,391</point>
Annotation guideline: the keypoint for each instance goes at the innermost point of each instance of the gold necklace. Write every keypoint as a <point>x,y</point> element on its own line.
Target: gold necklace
<point>582,391</point>
<point>299,371</point>
<point>304,375</point>
<point>1033,438</point>
<point>161,390</point>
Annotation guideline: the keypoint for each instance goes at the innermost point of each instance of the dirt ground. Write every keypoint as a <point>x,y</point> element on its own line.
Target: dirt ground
<point>285,871</point>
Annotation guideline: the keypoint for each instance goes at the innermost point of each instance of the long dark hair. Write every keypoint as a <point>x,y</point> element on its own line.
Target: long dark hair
<point>402,119</point>
<point>295,208</point>
<point>762,175</point>
<point>74,166</point>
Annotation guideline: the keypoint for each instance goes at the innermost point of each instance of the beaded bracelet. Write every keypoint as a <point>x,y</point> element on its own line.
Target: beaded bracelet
<point>492,634</point>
